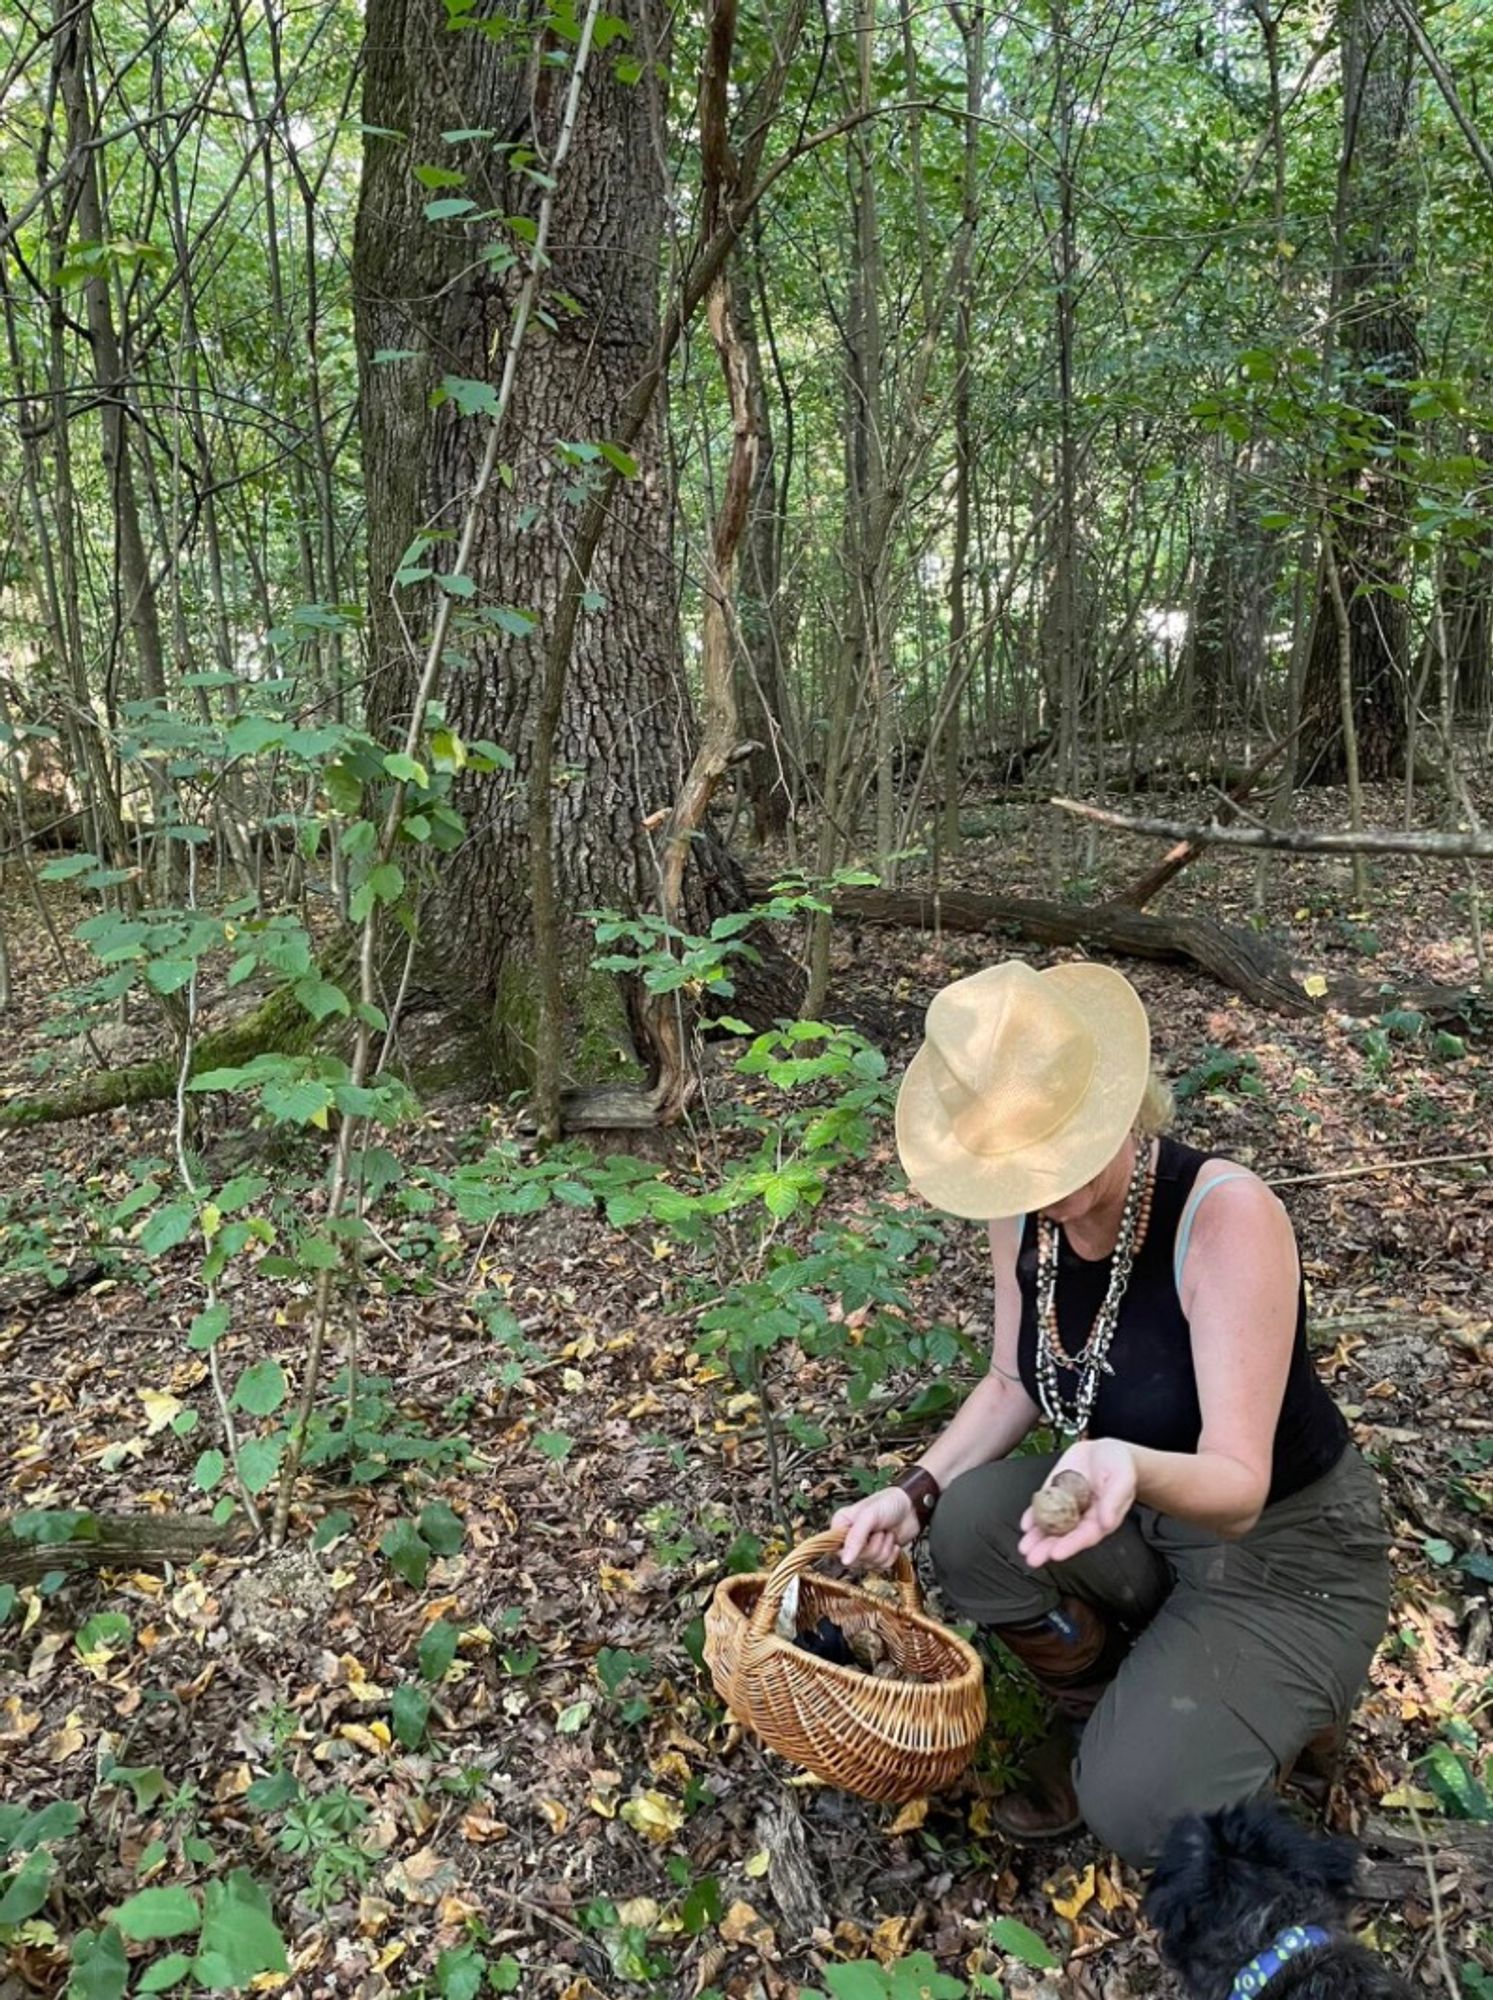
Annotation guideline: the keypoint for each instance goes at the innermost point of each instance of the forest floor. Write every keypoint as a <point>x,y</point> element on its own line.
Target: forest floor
<point>581,1816</point>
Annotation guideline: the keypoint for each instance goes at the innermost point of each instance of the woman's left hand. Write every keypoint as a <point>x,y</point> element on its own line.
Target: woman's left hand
<point>1108,1464</point>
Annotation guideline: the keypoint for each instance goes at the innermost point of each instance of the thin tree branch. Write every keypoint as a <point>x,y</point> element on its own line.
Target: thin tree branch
<point>1291,840</point>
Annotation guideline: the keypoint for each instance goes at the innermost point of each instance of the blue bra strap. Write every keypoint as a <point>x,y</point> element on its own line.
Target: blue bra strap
<point>1194,1202</point>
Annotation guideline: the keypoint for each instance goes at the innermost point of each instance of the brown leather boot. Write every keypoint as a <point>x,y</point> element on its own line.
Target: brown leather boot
<point>1313,1771</point>
<point>1072,1654</point>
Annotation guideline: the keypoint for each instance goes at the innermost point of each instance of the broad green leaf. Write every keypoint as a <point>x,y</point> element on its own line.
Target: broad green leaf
<point>152,1914</point>
<point>296,1101</point>
<point>1021,1941</point>
<point>458,1973</point>
<point>271,1793</point>
<point>441,1528</point>
<point>407,1553</point>
<point>100,1969</point>
<point>26,1891</point>
<point>437,1650</point>
<point>169,975</point>
<point>473,399</point>
<point>320,998</point>
<point>208,1471</point>
<point>239,1936</point>
<point>258,1462</point>
<point>261,1389</point>
<point>167,1227</point>
<point>104,1628</point>
<point>165,1973</point>
<point>208,1328</point>
<point>557,1445</point>
<point>410,1709</point>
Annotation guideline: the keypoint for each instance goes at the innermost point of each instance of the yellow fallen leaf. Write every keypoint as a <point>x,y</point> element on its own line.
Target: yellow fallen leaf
<point>159,1409</point>
<point>355,1732</point>
<point>146,1584</point>
<point>1078,1893</point>
<point>390,1952</point>
<point>980,1821</point>
<point>1408,1798</point>
<point>572,1381</point>
<point>759,1864</point>
<point>739,1406</point>
<point>641,1911</point>
<point>658,1819</point>
<point>480,1827</point>
<point>889,1939</point>
<point>1314,985</point>
<point>671,1767</point>
<point>1112,1894</point>
<point>67,1741</point>
<point>910,1818</point>
<point>358,1683</point>
<point>604,1808</point>
<point>17,1721</point>
<point>555,1813</point>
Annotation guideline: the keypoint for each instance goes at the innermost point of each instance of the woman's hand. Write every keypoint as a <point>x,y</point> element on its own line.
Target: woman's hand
<point>1108,1464</point>
<point>877,1527</point>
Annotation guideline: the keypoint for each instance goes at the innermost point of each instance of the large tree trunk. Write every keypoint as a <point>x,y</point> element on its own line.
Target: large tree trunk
<point>441,294</point>
<point>1377,335</point>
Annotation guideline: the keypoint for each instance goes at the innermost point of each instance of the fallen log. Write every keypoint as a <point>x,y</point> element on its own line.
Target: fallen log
<point>1467,1842</point>
<point>1238,959</point>
<point>34,1544</point>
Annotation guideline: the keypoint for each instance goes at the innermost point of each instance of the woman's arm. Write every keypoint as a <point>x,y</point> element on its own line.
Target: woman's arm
<point>993,1418</point>
<point>1238,1292</point>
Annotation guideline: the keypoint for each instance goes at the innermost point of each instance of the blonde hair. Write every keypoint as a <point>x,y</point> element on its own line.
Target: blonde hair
<point>1157,1107</point>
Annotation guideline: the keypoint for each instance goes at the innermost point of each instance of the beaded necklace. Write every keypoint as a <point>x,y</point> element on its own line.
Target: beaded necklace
<point>1091,1362</point>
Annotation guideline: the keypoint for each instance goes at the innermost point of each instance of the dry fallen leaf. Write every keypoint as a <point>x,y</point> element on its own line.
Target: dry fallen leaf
<point>1077,1893</point>
<point>910,1818</point>
<point>555,1813</point>
<point>159,1409</point>
<point>658,1819</point>
<point>742,1925</point>
<point>889,1939</point>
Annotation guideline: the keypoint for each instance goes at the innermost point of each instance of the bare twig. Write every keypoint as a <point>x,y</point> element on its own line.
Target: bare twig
<point>1290,839</point>
<point>1380,1167</point>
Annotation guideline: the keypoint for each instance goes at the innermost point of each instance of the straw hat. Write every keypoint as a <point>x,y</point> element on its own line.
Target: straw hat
<point>1025,1086</point>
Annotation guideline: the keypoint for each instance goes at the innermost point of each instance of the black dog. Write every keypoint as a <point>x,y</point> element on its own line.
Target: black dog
<point>1246,1900</point>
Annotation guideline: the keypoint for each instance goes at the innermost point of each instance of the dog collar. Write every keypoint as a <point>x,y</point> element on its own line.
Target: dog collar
<point>1262,1968</point>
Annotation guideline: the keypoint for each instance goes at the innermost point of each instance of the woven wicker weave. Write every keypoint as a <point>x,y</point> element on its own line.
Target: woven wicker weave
<point>890,1740</point>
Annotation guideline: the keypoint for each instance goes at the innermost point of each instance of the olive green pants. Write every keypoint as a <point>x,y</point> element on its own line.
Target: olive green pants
<point>1244,1649</point>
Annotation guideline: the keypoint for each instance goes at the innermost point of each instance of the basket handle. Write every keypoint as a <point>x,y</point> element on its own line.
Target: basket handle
<point>765,1611</point>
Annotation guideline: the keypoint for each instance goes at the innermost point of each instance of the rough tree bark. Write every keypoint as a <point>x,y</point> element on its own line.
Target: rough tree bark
<point>440,294</point>
<point>1376,332</point>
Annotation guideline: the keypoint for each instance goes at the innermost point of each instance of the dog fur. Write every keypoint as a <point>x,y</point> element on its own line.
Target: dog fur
<point>1228,1882</point>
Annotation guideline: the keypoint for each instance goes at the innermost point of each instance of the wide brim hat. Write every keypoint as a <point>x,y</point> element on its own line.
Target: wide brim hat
<point>1025,1086</point>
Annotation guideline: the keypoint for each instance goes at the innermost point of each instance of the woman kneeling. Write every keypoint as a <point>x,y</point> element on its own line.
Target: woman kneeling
<point>1213,1613</point>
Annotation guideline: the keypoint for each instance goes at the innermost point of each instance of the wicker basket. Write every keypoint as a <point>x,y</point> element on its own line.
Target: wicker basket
<point>890,1740</point>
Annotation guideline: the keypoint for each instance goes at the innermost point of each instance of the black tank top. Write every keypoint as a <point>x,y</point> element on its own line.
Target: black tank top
<point>1152,1398</point>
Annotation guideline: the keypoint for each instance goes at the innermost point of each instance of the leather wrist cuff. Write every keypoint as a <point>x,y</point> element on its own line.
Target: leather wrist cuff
<point>922,1489</point>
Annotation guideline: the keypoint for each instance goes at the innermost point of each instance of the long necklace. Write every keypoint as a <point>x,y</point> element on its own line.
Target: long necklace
<point>1091,1362</point>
